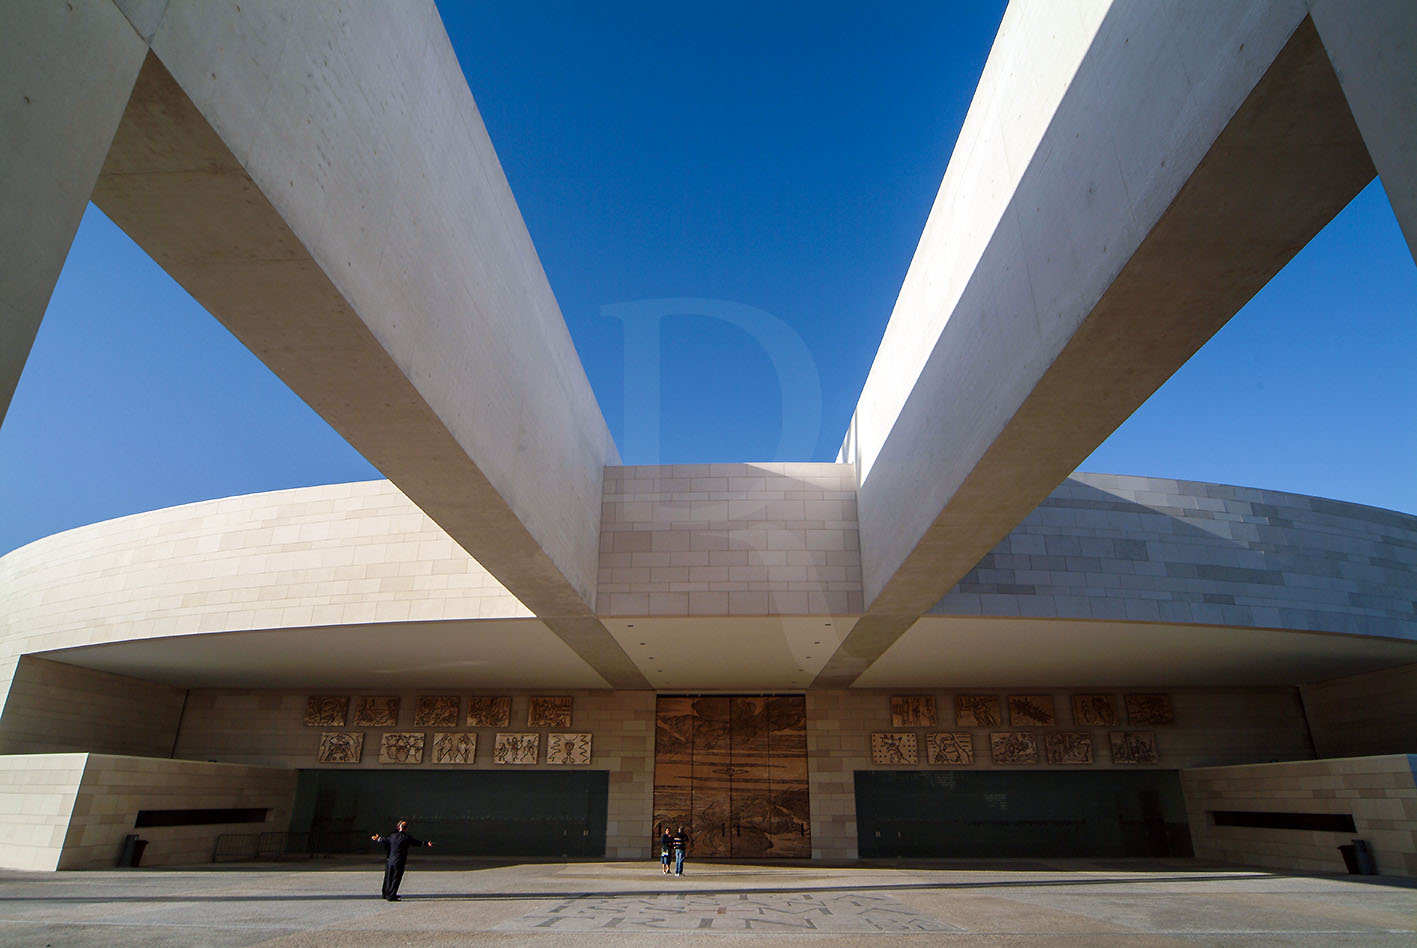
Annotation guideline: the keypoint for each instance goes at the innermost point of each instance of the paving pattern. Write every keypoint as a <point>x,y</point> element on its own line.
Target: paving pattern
<point>803,912</point>
<point>448,902</point>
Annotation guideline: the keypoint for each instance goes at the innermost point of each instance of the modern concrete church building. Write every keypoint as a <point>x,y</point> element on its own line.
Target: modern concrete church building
<point>945,643</point>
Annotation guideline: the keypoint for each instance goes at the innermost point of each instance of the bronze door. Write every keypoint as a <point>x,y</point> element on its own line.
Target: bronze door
<point>710,811</point>
<point>733,772</point>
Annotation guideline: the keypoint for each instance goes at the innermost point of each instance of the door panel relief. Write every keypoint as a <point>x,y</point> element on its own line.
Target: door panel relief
<point>673,763</point>
<point>712,753</point>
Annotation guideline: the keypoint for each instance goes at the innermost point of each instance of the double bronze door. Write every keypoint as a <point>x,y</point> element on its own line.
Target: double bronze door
<point>732,770</point>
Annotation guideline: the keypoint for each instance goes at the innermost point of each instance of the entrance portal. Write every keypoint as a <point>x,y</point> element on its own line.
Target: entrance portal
<point>732,770</point>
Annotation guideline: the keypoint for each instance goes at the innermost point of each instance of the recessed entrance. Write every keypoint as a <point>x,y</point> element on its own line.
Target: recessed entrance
<point>732,770</point>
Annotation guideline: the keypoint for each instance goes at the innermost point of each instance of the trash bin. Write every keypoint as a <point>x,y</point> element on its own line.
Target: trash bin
<point>1350,859</point>
<point>1363,858</point>
<point>132,853</point>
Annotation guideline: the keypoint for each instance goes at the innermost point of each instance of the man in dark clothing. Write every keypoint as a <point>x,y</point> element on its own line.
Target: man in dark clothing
<point>679,843</point>
<point>397,844</point>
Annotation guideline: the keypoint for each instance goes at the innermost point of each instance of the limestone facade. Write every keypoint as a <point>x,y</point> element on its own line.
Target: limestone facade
<point>729,539</point>
<point>1159,550</point>
<point>72,811</point>
<point>1378,792</point>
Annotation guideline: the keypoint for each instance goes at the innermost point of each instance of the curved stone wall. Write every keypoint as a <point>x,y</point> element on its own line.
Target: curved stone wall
<point>1155,550</point>
<point>331,555</point>
<point>1100,547</point>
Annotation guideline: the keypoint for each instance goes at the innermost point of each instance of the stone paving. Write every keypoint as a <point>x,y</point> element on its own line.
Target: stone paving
<point>458,902</point>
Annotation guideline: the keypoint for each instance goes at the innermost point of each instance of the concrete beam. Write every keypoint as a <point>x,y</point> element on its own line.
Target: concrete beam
<point>319,179</point>
<point>68,70</point>
<point>1198,147</point>
<point>1373,47</point>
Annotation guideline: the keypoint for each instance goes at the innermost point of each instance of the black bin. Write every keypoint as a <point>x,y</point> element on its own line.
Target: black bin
<point>1363,857</point>
<point>1358,858</point>
<point>132,853</point>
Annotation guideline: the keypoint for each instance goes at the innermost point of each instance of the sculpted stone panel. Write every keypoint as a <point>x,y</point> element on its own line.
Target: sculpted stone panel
<point>955,748</point>
<point>1094,711</point>
<point>549,712</point>
<point>978,711</point>
<point>516,749</point>
<point>326,710</point>
<point>341,747</point>
<point>568,748</point>
<point>376,711</point>
<point>1031,711</point>
<point>913,711</point>
<point>401,747</point>
<point>489,712</point>
<point>436,711</point>
<point>454,747</point>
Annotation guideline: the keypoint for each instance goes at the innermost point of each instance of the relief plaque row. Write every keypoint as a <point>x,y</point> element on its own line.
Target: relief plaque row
<point>985,710</point>
<point>434,711</point>
<point>956,748</point>
<point>455,747</point>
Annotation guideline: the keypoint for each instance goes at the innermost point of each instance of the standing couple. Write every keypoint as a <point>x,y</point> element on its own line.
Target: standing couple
<point>675,846</point>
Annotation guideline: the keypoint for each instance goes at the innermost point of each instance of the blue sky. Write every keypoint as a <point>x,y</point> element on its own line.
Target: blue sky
<point>772,162</point>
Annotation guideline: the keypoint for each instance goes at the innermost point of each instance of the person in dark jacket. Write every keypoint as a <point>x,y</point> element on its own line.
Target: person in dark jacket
<point>396,844</point>
<point>679,843</point>
<point>664,848</point>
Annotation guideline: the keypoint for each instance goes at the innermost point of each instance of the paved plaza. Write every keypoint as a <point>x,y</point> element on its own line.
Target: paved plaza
<point>331,903</point>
